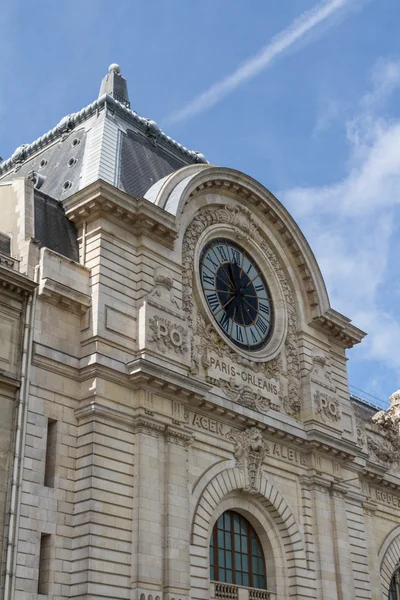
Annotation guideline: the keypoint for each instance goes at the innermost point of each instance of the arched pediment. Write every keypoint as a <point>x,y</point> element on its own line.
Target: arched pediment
<point>178,192</point>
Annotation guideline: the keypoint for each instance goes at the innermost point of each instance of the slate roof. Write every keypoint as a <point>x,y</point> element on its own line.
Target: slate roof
<point>106,140</point>
<point>52,228</point>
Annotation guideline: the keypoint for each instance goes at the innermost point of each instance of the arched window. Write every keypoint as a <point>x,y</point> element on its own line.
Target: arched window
<point>394,590</point>
<point>236,555</point>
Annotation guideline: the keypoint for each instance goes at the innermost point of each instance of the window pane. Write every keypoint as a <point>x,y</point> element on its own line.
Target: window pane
<point>222,576</point>
<point>228,560</point>
<point>227,516</point>
<point>212,555</point>
<point>212,572</point>
<point>220,522</point>
<point>245,579</point>
<point>221,558</point>
<point>262,581</point>
<point>245,562</point>
<point>236,521</point>
<point>228,541</point>
<point>237,543</point>
<point>243,527</point>
<point>256,582</point>
<point>238,578</point>
<point>244,544</point>
<point>221,539</point>
<point>238,563</point>
<point>229,576</point>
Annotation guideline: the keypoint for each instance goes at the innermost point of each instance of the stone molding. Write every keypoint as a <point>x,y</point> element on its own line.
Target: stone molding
<point>64,296</point>
<point>180,438</point>
<point>389,554</point>
<point>15,283</point>
<point>140,215</point>
<point>244,225</point>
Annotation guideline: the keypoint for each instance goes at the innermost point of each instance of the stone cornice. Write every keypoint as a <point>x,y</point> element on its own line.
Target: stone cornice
<point>64,296</point>
<point>14,282</point>
<point>338,327</point>
<point>143,372</point>
<point>139,215</point>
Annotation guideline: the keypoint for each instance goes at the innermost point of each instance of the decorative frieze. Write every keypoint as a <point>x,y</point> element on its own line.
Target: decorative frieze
<point>148,427</point>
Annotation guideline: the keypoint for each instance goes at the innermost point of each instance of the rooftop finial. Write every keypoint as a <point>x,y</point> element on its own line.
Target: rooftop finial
<point>114,85</point>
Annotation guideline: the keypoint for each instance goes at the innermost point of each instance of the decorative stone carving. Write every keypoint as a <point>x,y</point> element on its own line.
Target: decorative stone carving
<point>245,227</point>
<point>361,434</point>
<point>250,450</point>
<point>163,284</point>
<point>149,427</point>
<point>180,438</point>
<point>386,449</point>
<point>168,335</point>
<point>327,406</point>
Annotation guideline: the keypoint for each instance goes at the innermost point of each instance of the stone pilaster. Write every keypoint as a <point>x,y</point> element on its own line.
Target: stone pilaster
<point>176,521</point>
<point>323,528</point>
<point>340,540</point>
<point>147,516</point>
<point>372,546</point>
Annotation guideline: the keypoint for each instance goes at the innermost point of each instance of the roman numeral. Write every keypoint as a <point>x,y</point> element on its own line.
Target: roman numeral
<point>259,288</point>
<point>262,326</point>
<point>208,279</point>
<point>253,337</point>
<point>235,256</point>
<point>224,322</point>
<point>213,301</point>
<point>264,308</point>
<point>215,264</point>
<point>239,334</point>
<point>222,253</point>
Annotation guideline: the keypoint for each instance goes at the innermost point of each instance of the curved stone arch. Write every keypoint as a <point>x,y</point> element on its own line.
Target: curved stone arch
<point>175,191</point>
<point>389,558</point>
<point>269,508</point>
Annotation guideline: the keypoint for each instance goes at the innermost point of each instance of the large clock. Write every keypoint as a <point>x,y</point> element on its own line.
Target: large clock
<point>237,294</point>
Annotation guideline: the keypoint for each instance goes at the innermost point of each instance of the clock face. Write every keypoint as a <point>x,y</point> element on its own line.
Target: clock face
<point>236,294</point>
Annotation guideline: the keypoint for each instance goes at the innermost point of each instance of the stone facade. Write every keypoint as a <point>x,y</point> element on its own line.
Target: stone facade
<point>129,423</point>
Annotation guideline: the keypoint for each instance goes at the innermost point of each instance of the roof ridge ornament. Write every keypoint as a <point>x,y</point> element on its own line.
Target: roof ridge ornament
<point>115,85</point>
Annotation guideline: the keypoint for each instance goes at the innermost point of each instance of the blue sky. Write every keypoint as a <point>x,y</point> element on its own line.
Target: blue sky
<point>319,125</point>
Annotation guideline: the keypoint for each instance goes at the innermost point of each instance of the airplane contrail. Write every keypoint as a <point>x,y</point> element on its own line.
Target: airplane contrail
<point>281,42</point>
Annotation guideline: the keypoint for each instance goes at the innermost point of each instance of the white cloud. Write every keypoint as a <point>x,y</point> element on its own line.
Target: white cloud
<point>350,223</point>
<point>296,31</point>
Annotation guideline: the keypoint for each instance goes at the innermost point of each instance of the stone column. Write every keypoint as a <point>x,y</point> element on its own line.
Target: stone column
<point>341,542</point>
<point>373,559</point>
<point>147,517</point>
<point>176,519</point>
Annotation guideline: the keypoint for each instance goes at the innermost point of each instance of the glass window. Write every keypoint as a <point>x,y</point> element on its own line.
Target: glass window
<point>394,590</point>
<point>236,555</point>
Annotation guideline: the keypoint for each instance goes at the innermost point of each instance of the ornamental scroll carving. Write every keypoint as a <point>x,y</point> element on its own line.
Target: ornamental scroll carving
<point>250,451</point>
<point>286,365</point>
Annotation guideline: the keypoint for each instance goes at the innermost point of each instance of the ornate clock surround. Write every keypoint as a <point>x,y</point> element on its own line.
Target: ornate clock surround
<point>239,223</point>
<point>275,344</point>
